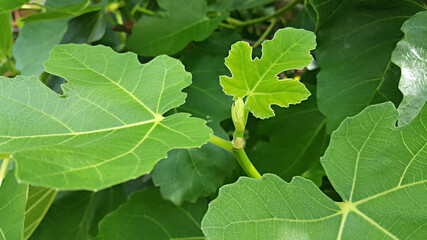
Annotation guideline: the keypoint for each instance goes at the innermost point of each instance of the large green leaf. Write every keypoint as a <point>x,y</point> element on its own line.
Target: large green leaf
<point>186,21</point>
<point>6,39</point>
<point>256,79</point>
<point>411,56</point>
<point>148,216</point>
<point>356,67</point>
<point>34,43</point>
<point>8,5</point>
<point>378,170</point>
<point>38,203</point>
<point>107,127</point>
<point>13,197</point>
<point>75,215</point>
<point>296,138</point>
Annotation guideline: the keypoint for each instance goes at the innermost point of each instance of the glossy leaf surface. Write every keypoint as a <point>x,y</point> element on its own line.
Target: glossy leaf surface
<point>356,67</point>
<point>85,139</point>
<point>377,169</point>
<point>186,21</point>
<point>256,79</point>
<point>411,56</point>
<point>147,216</point>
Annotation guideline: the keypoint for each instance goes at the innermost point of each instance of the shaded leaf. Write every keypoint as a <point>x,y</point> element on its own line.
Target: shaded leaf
<point>9,5</point>
<point>6,39</point>
<point>84,140</point>
<point>86,28</point>
<point>256,79</point>
<point>60,10</point>
<point>356,68</point>
<point>376,168</point>
<point>34,43</point>
<point>75,215</point>
<point>246,4</point>
<point>38,203</point>
<point>13,197</point>
<point>147,216</point>
<point>296,138</point>
<point>411,56</point>
<point>187,175</point>
<point>186,21</point>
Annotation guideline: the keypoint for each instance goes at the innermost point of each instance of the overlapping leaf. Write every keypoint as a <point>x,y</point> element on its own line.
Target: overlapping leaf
<point>296,138</point>
<point>411,56</point>
<point>186,21</point>
<point>378,170</point>
<point>107,128</point>
<point>256,79</point>
<point>38,203</point>
<point>147,216</point>
<point>13,197</point>
<point>187,175</point>
<point>356,67</point>
<point>75,215</point>
<point>34,43</point>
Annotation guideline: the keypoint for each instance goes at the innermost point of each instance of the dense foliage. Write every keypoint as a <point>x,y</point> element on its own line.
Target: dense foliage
<point>213,119</point>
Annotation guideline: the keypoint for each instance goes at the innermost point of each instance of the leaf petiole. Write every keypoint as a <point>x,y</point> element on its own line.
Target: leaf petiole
<point>3,169</point>
<point>221,143</point>
<point>246,164</point>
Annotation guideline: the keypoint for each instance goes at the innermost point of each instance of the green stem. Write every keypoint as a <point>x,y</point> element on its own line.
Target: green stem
<point>141,9</point>
<point>119,20</point>
<point>238,23</point>
<point>227,25</point>
<point>246,164</point>
<point>3,169</point>
<point>221,143</point>
<point>265,34</point>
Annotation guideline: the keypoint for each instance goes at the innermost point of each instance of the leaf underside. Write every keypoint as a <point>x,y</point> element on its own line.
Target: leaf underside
<point>107,127</point>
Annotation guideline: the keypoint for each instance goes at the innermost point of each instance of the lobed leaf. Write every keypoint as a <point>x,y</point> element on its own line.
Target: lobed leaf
<point>411,56</point>
<point>107,127</point>
<point>378,170</point>
<point>256,79</point>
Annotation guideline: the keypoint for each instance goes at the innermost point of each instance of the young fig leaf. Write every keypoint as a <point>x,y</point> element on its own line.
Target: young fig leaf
<point>107,127</point>
<point>256,79</point>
